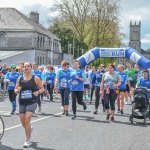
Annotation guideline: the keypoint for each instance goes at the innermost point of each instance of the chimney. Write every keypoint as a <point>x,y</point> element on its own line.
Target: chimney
<point>34,16</point>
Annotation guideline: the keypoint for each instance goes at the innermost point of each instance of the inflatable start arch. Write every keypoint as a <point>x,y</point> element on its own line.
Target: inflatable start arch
<point>129,53</point>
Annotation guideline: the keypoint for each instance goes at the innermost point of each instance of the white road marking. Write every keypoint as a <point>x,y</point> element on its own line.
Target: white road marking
<point>33,121</point>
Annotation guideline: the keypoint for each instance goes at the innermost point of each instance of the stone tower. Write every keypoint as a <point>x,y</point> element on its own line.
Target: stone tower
<point>135,36</point>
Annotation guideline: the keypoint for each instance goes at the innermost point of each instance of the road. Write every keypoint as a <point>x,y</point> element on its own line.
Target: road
<point>53,131</point>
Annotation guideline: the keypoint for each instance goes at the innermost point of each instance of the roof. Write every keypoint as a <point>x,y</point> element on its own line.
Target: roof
<point>7,54</point>
<point>13,20</point>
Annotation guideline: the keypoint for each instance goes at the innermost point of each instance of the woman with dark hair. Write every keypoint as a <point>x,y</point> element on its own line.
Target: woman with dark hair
<point>109,84</point>
<point>92,85</point>
<point>50,79</point>
<point>77,86</point>
<point>27,87</point>
<point>11,78</point>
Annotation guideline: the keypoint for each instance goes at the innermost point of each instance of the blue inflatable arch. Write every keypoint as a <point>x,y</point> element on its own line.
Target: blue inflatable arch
<point>129,53</point>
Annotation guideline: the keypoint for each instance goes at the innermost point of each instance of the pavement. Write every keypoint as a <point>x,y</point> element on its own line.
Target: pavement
<point>54,131</point>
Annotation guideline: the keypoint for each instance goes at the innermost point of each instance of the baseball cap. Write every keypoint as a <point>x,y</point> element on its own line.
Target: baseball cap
<point>13,66</point>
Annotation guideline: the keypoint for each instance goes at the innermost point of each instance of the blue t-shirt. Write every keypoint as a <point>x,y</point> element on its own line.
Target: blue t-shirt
<point>64,77</point>
<point>99,76</point>
<point>144,83</point>
<point>93,78</point>
<point>37,73</point>
<point>12,76</point>
<point>50,77</point>
<point>76,84</point>
<point>123,77</point>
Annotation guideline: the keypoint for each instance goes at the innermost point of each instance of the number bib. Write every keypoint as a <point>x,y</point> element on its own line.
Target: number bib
<point>49,81</point>
<point>11,84</point>
<point>27,94</point>
<point>63,84</point>
<point>74,82</point>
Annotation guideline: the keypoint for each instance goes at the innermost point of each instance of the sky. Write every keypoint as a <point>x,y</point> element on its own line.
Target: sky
<point>134,10</point>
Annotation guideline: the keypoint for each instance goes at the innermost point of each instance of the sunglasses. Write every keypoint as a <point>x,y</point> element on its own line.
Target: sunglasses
<point>65,65</point>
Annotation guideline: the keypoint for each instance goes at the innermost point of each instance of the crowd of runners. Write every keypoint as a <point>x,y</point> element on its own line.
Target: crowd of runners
<point>105,84</point>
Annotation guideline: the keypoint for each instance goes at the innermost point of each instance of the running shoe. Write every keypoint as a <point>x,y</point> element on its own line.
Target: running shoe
<point>27,144</point>
<point>121,111</point>
<point>67,114</point>
<point>107,117</point>
<point>112,118</point>
<point>95,112</point>
<point>84,106</point>
<point>74,117</point>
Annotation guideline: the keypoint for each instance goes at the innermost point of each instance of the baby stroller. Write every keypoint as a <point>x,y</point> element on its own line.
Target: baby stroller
<point>140,105</point>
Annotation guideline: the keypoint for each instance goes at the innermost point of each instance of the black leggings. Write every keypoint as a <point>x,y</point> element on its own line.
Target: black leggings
<point>97,96</point>
<point>76,96</point>
<point>110,98</point>
<point>50,89</point>
<point>92,91</point>
<point>65,96</point>
<point>12,95</point>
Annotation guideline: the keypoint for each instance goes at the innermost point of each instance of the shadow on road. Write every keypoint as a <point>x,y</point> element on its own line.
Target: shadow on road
<point>91,119</point>
<point>3,147</point>
<point>35,146</point>
<point>139,124</point>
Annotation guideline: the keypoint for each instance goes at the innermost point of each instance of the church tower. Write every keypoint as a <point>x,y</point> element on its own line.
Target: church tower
<point>135,36</point>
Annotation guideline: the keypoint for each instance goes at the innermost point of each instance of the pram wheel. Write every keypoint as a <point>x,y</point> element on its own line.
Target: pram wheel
<point>131,119</point>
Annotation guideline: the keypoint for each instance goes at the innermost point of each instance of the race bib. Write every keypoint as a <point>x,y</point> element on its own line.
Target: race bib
<point>63,84</point>
<point>74,82</point>
<point>27,94</point>
<point>11,84</point>
<point>129,78</point>
<point>49,81</point>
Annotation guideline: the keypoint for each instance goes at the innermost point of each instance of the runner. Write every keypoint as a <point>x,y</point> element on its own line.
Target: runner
<point>122,88</point>
<point>87,84</point>
<point>37,73</point>
<point>99,75</point>
<point>109,84</point>
<point>11,78</point>
<point>77,87</point>
<point>92,85</point>
<point>62,84</point>
<point>50,81</point>
<point>144,81</point>
<point>132,75</point>
<point>27,87</point>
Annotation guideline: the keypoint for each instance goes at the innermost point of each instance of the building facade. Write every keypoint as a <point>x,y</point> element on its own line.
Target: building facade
<point>135,36</point>
<point>27,38</point>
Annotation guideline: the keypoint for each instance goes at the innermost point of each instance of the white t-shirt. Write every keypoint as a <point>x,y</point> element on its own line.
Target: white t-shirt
<point>87,75</point>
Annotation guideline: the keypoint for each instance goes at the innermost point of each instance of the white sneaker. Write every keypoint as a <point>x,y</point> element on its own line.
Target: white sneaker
<point>62,107</point>
<point>126,103</point>
<point>27,144</point>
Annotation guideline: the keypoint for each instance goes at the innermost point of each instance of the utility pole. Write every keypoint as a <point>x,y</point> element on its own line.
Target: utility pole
<point>73,45</point>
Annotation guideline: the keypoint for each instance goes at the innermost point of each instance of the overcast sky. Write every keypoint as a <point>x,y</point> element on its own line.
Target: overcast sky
<point>130,10</point>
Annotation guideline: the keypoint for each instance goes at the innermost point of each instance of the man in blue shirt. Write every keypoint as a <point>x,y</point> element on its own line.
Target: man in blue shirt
<point>144,81</point>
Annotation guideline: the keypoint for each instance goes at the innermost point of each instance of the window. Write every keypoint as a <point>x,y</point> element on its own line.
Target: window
<point>3,39</point>
<point>38,61</point>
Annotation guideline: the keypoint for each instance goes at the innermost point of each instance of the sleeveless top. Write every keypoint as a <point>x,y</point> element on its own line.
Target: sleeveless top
<point>28,87</point>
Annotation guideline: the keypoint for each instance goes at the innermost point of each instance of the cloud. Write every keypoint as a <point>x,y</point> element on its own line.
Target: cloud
<point>20,3</point>
<point>136,10</point>
<point>146,39</point>
<point>44,17</point>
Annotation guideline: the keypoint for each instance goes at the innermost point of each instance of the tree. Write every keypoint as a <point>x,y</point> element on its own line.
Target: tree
<point>94,23</point>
